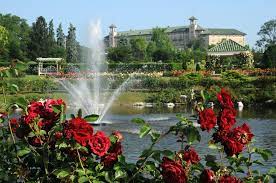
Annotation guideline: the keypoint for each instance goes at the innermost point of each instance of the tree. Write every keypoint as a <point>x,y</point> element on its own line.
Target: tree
<point>71,45</point>
<point>119,54</point>
<point>4,40</point>
<point>52,45</point>
<point>60,36</point>
<point>269,57</point>
<point>39,39</point>
<point>51,34</point>
<point>19,31</point>
<point>267,34</point>
<point>122,41</point>
<point>164,47</point>
<point>138,47</point>
<point>161,39</point>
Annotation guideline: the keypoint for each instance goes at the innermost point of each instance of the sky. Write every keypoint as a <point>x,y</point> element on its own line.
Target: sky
<point>245,15</point>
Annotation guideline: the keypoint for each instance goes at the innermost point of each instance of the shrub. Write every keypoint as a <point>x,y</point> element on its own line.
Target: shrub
<point>43,145</point>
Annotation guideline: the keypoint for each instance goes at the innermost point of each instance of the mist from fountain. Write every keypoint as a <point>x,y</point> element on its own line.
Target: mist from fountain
<point>91,99</point>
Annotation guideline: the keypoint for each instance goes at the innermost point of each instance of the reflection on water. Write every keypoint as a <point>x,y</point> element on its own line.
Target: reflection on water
<point>261,120</point>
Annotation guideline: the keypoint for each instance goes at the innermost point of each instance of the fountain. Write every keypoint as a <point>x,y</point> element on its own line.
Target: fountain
<point>92,100</point>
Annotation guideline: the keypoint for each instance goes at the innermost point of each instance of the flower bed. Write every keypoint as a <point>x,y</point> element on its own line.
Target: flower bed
<point>43,145</point>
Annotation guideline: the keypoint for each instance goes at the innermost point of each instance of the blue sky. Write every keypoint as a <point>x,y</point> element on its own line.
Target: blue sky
<point>244,15</point>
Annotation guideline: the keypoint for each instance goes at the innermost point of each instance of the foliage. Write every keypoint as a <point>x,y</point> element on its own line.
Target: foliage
<point>71,45</point>
<point>18,36</point>
<point>39,39</point>
<point>3,40</point>
<point>119,54</point>
<point>138,47</point>
<point>267,34</point>
<point>43,145</point>
<point>269,57</point>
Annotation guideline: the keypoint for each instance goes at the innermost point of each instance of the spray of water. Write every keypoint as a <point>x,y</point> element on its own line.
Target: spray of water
<point>91,100</point>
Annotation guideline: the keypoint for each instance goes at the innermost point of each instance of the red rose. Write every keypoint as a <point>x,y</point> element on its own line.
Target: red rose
<point>35,141</point>
<point>99,143</point>
<point>229,179</point>
<point>14,124</point>
<point>118,135</point>
<point>227,118</point>
<point>109,160</point>
<point>224,99</point>
<point>30,117</point>
<point>207,176</point>
<point>79,129</point>
<point>220,136</point>
<point>242,134</point>
<point>191,156</point>
<point>112,157</point>
<point>172,171</point>
<point>231,146</point>
<point>207,119</point>
<point>58,135</point>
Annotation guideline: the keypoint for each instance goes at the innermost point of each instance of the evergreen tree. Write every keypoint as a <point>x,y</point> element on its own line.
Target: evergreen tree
<point>71,45</point>
<point>60,36</point>
<point>51,34</point>
<point>39,39</point>
<point>52,46</point>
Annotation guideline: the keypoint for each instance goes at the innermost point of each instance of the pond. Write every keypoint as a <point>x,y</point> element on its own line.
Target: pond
<point>262,121</point>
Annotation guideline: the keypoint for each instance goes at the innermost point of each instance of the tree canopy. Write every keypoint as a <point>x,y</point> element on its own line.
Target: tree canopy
<point>267,34</point>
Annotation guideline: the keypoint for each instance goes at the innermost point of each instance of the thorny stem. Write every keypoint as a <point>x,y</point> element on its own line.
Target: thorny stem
<point>82,166</point>
<point>145,160</point>
<point>249,160</point>
<point>4,94</point>
<point>13,139</point>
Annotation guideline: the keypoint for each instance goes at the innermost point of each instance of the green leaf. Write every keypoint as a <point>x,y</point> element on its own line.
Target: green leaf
<point>62,174</point>
<point>144,130</point>
<point>62,145</point>
<point>21,66</point>
<point>56,108</point>
<point>154,136</point>
<point>209,157</point>
<point>272,171</point>
<point>138,121</point>
<point>23,152</point>
<point>150,166</point>
<point>258,162</point>
<point>120,174</point>
<point>91,117</point>
<point>79,113</point>
<point>1,120</point>
<point>22,102</point>
<point>266,179</point>
<point>265,153</point>
<point>14,88</point>
<point>192,134</point>
<point>8,73</point>
<point>83,179</point>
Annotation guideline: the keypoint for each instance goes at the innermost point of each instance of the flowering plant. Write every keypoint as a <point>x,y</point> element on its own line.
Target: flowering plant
<point>43,145</point>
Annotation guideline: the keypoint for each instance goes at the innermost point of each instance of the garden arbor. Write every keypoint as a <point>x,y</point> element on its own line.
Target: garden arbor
<point>53,66</point>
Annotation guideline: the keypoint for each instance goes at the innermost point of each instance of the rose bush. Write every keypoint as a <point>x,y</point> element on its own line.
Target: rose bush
<point>43,145</point>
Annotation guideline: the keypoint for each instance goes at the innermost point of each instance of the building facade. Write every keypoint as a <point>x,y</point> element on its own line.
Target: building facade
<point>180,36</point>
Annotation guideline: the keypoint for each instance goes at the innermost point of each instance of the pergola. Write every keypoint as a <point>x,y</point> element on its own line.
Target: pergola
<point>51,69</point>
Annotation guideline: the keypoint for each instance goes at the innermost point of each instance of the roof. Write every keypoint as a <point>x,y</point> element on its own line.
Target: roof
<point>208,31</point>
<point>228,46</point>
<point>40,59</point>
<point>149,31</point>
<point>192,18</point>
<point>219,31</point>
